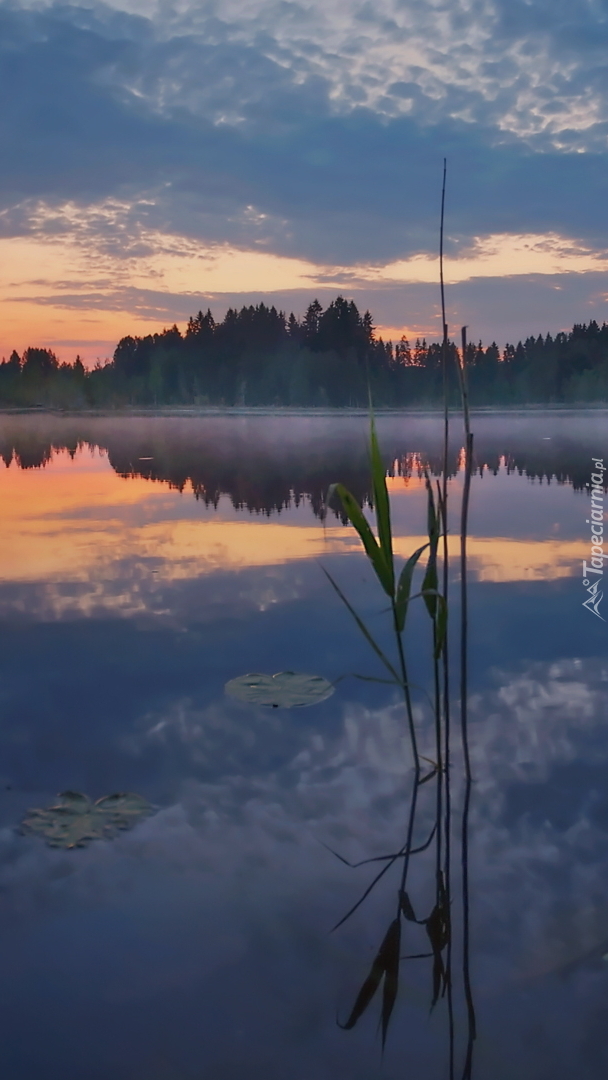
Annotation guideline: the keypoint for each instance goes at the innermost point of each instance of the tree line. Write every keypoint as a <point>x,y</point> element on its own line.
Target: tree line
<point>331,357</point>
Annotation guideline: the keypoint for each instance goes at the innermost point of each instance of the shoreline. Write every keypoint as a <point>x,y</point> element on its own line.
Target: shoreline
<point>201,411</point>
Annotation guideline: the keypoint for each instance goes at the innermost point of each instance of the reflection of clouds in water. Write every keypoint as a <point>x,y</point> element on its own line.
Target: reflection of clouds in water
<point>348,781</point>
<point>128,588</point>
<point>533,719</point>
<point>540,888</point>
<point>238,858</point>
<point>49,602</point>
<point>348,787</point>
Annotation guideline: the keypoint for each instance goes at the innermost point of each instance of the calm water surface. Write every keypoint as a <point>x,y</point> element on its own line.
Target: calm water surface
<point>143,563</point>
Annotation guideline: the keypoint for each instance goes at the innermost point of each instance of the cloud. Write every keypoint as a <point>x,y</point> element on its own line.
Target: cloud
<point>534,69</point>
<point>308,132</point>
<point>236,133</point>
<point>100,263</point>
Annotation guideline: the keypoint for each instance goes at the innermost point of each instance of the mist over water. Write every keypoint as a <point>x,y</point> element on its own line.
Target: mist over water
<point>266,462</point>
<point>198,945</point>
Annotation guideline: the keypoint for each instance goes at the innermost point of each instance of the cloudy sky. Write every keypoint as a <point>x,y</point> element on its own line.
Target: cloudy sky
<point>161,157</point>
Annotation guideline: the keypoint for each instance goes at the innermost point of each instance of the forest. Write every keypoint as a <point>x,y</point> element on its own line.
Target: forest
<point>331,357</point>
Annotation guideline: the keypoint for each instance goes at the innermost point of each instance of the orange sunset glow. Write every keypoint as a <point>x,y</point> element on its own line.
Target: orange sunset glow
<point>70,293</point>
<point>72,519</point>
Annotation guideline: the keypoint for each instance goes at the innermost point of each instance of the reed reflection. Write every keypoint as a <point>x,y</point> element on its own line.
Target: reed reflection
<point>442,930</point>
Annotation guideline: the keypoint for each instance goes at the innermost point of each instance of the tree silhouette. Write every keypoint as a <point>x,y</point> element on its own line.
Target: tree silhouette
<point>259,356</point>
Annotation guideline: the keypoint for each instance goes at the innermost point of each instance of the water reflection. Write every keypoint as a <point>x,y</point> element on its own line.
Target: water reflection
<point>221,901</point>
<point>237,456</point>
<point>199,944</point>
<point>75,525</point>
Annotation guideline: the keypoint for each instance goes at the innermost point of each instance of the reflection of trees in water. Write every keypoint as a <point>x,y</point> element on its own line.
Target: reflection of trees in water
<point>265,464</point>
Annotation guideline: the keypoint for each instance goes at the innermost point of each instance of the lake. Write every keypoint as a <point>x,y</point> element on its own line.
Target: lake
<point>144,562</point>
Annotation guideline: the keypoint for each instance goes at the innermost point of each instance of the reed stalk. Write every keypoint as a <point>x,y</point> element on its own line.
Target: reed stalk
<point>464,692</point>
<point>447,864</point>
<point>379,550</point>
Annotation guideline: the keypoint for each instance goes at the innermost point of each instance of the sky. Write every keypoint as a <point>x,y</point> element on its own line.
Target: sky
<point>158,158</point>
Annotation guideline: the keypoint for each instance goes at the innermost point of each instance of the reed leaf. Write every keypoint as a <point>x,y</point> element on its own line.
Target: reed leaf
<point>429,584</point>
<point>371,886</point>
<point>392,944</point>
<point>385,965</point>
<point>365,995</point>
<point>374,551</point>
<point>363,628</point>
<point>367,991</point>
<point>382,507</point>
<point>429,776</point>
<point>404,587</point>
<point>437,931</point>
<point>384,858</point>
<point>438,978</point>
<point>405,905</point>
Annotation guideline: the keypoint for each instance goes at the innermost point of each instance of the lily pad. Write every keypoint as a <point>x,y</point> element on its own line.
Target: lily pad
<point>74,820</point>
<point>286,689</point>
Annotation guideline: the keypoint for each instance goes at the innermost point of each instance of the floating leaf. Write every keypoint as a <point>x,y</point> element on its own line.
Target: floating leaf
<point>286,689</point>
<point>74,820</point>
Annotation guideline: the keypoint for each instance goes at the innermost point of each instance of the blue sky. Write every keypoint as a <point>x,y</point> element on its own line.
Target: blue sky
<point>157,158</point>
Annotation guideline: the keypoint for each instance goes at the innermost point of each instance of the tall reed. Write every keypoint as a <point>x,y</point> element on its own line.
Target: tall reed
<point>398,586</point>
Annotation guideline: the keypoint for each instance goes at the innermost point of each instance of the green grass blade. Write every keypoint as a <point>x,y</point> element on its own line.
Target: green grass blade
<point>382,506</point>
<point>429,584</point>
<point>373,550</point>
<point>433,598</point>
<point>432,519</point>
<point>363,628</point>
<point>404,587</point>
